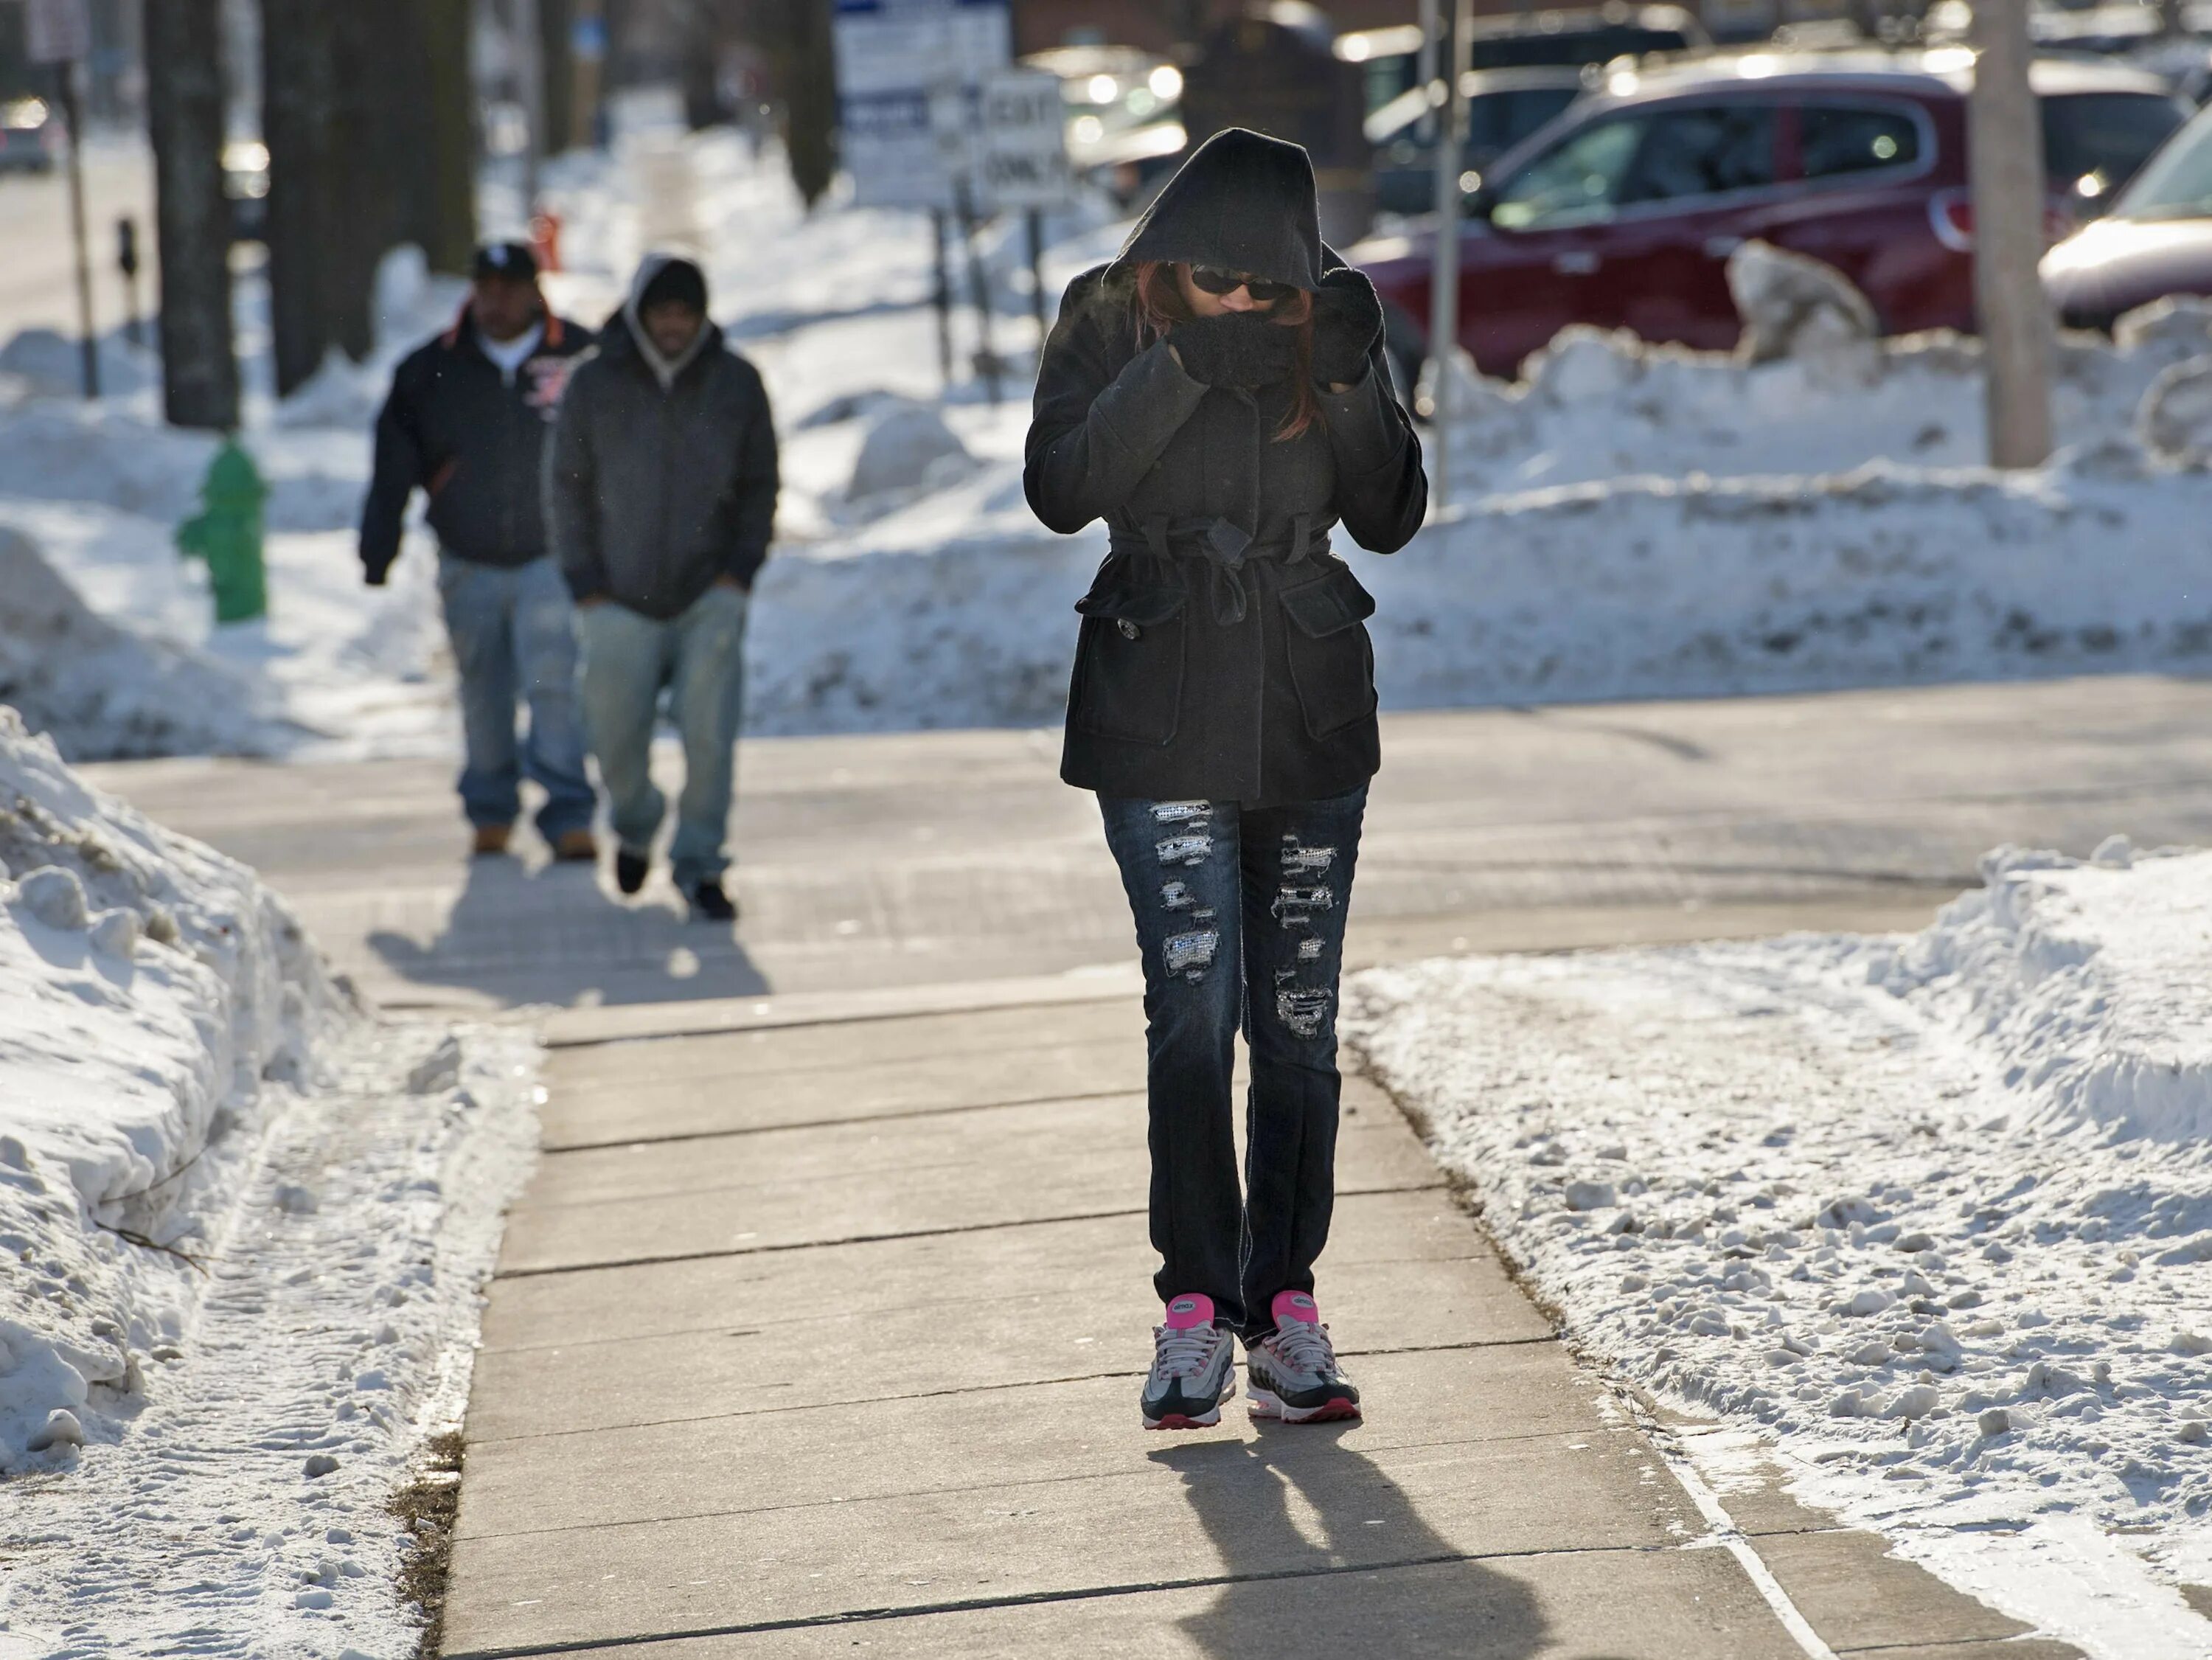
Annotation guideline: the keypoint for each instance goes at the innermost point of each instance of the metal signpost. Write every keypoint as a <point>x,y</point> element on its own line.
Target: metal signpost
<point>911,77</point>
<point>1444,286</point>
<point>59,33</point>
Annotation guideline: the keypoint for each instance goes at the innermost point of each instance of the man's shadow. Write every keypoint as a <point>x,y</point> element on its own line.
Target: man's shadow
<point>552,933</point>
<point>1363,1575</point>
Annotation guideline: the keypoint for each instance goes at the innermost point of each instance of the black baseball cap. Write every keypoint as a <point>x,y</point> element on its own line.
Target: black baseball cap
<point>512,260</point>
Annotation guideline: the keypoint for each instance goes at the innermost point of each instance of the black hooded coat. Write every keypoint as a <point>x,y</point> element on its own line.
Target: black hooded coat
<point>661,476</point>
<point>1223,654</point>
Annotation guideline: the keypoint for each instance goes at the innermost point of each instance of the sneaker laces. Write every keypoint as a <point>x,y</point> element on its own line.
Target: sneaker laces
<point>1182,1353</point>
<point>1306,1348</point>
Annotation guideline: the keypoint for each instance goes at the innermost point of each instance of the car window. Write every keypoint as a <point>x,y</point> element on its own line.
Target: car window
<point>1496,121</point>
<point>2178,183</point>
<point>1580,178</point>
<point>2102,136</point>
<point>1834,140</point>
<point>1703,151</point>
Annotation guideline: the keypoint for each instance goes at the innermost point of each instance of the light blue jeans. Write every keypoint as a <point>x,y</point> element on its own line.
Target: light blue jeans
<point>513,629</point>
<point>699,660</point>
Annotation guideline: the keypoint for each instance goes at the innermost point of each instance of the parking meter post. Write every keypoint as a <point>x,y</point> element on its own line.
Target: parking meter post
<point>942,299</point>
<point>979,292</point>
<point>73,119</point>
<point>1033,223</point>
<point>1443,288</point>
<point>2006,169</point>
<point>1432,29</point>
<point>126,261</point>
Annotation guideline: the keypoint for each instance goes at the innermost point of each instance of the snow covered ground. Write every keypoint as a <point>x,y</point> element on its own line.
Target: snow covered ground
<point>1629,522</point>
<point>1929,1218</point>
<point>246,1225</point>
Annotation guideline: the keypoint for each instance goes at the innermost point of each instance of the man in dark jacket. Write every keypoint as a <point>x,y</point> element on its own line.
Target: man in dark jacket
<point>466,423</point>
<point>660,488</point>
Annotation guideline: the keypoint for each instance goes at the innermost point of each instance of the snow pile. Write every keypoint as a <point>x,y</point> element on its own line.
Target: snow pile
<point>246,1229</point>
<point>104,691</point>
<point>148,989</point>
<point>1794,306</point>
<point>1933,1217</point>
<point>1602,405</point>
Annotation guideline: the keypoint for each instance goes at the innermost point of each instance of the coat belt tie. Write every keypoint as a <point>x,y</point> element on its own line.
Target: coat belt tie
<point>1226,547</point>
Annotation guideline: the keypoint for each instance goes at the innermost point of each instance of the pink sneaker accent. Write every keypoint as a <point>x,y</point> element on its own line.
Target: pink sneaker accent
<point>1189,1311</point>
<point>1295,1305</point>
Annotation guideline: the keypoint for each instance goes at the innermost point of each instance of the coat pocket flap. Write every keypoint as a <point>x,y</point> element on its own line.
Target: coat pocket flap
<point>1328,606</point>
<point>1147,605</point>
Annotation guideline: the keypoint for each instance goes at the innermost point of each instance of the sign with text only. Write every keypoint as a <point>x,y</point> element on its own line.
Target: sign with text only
<point>1021,157</point>
<point>57,31</point>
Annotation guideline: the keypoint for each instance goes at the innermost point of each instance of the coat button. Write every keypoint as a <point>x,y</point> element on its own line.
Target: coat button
<point>1128,629</point>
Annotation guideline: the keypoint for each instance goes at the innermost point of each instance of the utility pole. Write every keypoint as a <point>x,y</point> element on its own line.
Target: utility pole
<point>58,33</point>
<point>529,40</point>
<point>2005,165</point>
<point>184,116</point>
<point>1443,280</point>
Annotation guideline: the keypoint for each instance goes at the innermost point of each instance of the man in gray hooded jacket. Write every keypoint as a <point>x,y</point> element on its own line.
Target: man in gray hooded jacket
<point>660,486</point>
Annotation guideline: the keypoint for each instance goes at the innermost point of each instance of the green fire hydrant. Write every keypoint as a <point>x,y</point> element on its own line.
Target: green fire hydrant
<point>227,533</point>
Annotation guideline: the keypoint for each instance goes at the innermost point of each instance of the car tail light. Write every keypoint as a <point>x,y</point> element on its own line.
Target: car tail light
<point>1951,215</point>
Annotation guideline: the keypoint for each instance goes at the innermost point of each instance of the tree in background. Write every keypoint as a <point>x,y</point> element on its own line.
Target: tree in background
<point>185,117</point>
<point>804,77</point>
<point>368,115</point>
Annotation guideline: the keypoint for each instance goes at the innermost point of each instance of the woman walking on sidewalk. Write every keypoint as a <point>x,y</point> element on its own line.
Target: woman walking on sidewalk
<point>1218,395</point>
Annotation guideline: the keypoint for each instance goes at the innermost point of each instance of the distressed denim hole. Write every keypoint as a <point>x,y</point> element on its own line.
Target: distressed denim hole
<point>1305,1012</point>
<point>1295,906</point>
<point>1190,954</point>
<point>1175,896</point>
<point>1185,850</point>
<point>1182,812</point>
<point>1299,859</point>
<point>1309,950</point>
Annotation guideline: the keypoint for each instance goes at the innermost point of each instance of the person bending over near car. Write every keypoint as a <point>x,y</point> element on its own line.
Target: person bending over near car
<point>465,423</point>
<point>661,489</point>
<point>1217,395</point>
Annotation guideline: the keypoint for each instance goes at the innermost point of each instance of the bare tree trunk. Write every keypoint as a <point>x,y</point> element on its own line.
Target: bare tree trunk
<point>556,69</point>
<point>296,124</point>
<point>2005,164</point>
<point>806,87</point>
<point>184,116</point>
<point>451,110</point>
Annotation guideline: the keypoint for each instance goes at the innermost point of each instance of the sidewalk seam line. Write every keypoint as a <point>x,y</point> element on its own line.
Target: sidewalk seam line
<point>877,1238</point>
<point>1031,1599</point>
<point>832,1123</point>
<point>1121,995</point>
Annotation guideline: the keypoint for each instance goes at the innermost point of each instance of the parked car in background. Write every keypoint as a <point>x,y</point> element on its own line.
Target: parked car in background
<point>1123,105</point>
<point>2155,241</point>
<point>30,136</point>
<point>1503,107</point>
<point>1557,39</point>
<point>245,184</point>
<point>1623,212</point>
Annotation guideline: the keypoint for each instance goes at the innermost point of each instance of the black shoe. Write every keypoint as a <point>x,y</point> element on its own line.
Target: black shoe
<point>630,870</point>
<point>710,904</point>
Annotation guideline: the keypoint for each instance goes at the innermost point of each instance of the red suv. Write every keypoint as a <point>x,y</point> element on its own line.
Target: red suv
<point>1623,211</point>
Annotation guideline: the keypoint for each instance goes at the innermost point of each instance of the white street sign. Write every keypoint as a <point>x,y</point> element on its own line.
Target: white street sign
<point>894,58</point>
<point>57,31</point>
<point>1022,160</point>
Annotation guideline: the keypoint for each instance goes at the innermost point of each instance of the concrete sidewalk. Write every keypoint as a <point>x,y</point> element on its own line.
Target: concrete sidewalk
<point>828,1335</point>
<point>821,1323</point>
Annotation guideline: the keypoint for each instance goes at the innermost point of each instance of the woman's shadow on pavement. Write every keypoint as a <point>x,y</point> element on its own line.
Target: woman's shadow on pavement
<point>552,933</point>
<point>1329,1556</point>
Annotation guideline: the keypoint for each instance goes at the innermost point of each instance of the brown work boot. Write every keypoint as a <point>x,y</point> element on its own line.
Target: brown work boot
<point>491,840</point>
<point>576,846</point>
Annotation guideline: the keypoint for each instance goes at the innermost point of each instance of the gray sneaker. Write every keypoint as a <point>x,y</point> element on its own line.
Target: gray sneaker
<point>1293,1372</point>
<point>1193,1368</point>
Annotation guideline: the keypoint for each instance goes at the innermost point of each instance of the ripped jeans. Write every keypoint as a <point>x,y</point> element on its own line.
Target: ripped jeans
<point>1240,918</point>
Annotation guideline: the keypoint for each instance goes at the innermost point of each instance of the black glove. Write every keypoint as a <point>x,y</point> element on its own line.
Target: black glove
<point>1347,322</point>
<point>375,573</point>
<point>1236,348</point>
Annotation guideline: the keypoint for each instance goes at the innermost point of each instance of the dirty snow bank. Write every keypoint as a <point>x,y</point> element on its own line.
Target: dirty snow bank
<point>247,1226</point>
<point>1932,1216</point>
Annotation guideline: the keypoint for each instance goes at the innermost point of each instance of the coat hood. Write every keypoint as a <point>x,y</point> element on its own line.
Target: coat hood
<point>1243,202</point>
<point>664,369</point>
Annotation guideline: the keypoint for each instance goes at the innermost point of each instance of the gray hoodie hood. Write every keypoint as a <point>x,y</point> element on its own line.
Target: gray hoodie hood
<point>664,369</point>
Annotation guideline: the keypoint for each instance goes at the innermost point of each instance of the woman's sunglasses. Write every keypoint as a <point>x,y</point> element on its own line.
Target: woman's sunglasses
<point>1214,280</point>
